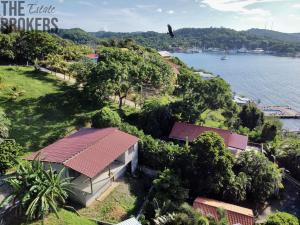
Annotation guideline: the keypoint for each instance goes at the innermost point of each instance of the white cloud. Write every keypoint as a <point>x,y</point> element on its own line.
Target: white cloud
<point>145,6</point>
<point>238,6</point>
<point>170,12</point>
<point>86,3</point>
<point>61,1</point>
<point>297,6</point>
<point>159,10</point>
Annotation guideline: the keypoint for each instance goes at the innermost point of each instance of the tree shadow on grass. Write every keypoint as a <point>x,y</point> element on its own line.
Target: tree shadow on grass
<point>138,187</point>
<point>47,78</point>
<point>36,123</point>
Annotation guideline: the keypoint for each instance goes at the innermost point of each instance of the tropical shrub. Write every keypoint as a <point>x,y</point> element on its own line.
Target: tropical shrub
<point>106,118</point>
<point>9,151</point>
<point>169,186</point>
<point>270,130</point>
<point>282,218</point>
<point>37,192</point>
<point>264,177</point>
<point>4,125</point>
<point>288,156</point>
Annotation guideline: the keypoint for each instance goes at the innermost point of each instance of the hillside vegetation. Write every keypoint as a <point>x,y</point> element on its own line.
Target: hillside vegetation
<point>279,43</point>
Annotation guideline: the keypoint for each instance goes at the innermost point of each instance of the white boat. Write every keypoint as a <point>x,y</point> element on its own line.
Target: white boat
<point>224,57</point>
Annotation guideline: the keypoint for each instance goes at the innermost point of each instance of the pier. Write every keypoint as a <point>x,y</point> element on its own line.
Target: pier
<point>283,112</point>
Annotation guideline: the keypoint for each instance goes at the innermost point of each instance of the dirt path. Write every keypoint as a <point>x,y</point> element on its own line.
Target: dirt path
<point>60,76</point>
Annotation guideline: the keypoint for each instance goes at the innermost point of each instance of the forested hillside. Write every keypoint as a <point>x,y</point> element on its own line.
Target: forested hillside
<point>276,42</point>
<point>291,37</point>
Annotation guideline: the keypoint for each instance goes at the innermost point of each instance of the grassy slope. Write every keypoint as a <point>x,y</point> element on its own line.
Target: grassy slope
<point>33,126</point>
<point>119,205</point>
<point>213,119</point>
<point>65,218</point>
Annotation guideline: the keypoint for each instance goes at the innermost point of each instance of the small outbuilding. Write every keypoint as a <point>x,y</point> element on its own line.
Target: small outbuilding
<point>184,131</point>
<point>92,158</point>
<point>236,215</point>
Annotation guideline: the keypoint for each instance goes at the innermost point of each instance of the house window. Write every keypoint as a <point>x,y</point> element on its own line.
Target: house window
<point>73,174</point>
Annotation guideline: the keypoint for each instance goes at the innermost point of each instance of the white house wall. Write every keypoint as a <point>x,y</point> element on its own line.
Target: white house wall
<point>83,193</point>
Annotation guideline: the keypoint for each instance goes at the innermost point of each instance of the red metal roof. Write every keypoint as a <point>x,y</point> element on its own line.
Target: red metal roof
<point>235,214</point>
<point>88,151</point>
<point>183,131</point>
<point>93,56</point>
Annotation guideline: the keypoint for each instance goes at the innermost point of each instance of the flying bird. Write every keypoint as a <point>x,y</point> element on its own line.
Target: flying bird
<point>170,31</point>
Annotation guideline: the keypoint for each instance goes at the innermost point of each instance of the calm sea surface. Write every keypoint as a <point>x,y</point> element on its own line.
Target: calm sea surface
<point>270,79</point>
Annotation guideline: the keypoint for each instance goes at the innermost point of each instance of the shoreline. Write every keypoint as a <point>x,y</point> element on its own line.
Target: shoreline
<point>237,53</point>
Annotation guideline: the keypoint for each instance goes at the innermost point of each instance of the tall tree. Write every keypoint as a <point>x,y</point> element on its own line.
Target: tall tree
<point>265,177</point>
<point>122,71</point>
<point>203,95</point>
<point>251,116</point>
<point>212,164</point>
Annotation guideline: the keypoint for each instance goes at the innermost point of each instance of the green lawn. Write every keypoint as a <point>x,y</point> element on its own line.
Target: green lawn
<point>65,218</point>
<point>122,203</point>
<point>213,119</point>
<point>35,120</point>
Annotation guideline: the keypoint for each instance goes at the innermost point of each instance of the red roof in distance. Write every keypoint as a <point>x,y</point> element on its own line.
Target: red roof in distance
<point>88,151</point>
<point>183,131</point>
<point>92,56</point>
<point>235,214</point>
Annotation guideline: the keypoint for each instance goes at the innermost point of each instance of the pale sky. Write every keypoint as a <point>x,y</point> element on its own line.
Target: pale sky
<point>146,15</point>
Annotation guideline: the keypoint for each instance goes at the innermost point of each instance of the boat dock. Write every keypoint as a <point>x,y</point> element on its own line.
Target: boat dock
<point>283,112</point>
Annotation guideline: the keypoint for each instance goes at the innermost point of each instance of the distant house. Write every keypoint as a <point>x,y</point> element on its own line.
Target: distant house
<point>92,158</point>
<point>131,221</point>
<point>165,54</point>
<point>241,100</point>
<point>190,132</point>
<point>236,215</point>
<point>93,57</point>
<point>206,76</point>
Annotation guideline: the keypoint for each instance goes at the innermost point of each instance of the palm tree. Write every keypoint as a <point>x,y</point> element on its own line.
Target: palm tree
<point>37,192</point>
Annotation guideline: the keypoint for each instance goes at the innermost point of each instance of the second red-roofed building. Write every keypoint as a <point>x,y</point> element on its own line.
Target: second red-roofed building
<point>190,132</point>
<point>235,215</point>
<point>92,158</point>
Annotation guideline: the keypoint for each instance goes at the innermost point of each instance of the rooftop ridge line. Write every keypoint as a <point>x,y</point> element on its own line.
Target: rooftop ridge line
<point>73,156</point>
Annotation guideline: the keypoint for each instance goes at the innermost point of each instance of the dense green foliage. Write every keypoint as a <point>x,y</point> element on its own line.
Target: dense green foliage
<point>269,132</point>
<point>282,218</point>
<point>199,96</point>
<point>156,118</point>
<point>251,116</point>
<point>275,35</point>
<point>25,47</point>
<point>264,176</point>
<point>4,124</point>
<point>288,155</point>
<point>212,164</point>
<point>77,35</point>
<point>123,71</point>
<point>106,118</point>
<point>169,186</point>
<point>184,215</point>
<point>36,192</point>
<point>9,151</point>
